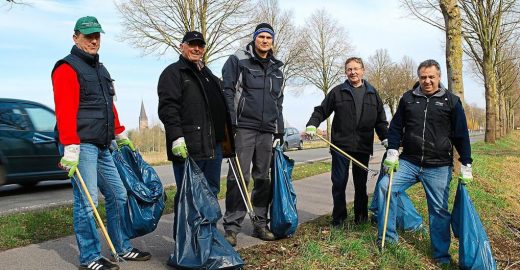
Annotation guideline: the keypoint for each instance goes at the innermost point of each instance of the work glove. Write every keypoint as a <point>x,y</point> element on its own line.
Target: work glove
<point>179,148</point>
<point>70,159</point>
<point>466,175</point>
<point>122,140</point>
<point>384,143</point>
<point>310,131</point>
<point>392,161</point>
<point>278,140</point>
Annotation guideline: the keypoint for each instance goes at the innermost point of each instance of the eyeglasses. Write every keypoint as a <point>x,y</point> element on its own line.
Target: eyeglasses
<point>356,69</point>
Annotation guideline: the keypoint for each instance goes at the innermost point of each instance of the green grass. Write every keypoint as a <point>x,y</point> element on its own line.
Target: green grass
<point>22,229</point>
<point>494,193</point>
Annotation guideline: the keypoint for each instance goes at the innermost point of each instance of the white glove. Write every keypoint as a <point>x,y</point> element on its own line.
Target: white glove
<point>392,160</point>
<point>310,131</point>
<point>70,158</point>
<point>466,174</point>
<point>385,143</point>
<point>179,148</point>
<point>276,142</point>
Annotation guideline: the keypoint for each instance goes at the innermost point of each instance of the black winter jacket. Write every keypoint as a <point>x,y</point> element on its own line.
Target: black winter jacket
<point>429,127</point>
<point>346,133</point>
<point>185,112</point>
<point>253,92</point>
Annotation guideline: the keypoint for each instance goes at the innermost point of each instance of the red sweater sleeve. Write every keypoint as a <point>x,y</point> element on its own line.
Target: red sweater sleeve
<point>118,128</point>
<point>66,103</point>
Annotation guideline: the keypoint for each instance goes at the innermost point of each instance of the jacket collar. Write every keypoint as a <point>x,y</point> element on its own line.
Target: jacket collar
<point>347,86</point>
<point>90,59</point>
<point>441,92</point>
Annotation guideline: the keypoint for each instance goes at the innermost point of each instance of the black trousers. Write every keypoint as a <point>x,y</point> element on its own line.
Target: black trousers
<point>339,177</point>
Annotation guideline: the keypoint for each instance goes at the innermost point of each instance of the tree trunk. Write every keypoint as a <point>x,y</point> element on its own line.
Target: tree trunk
<point>490,85</point>
<point>453,23</point>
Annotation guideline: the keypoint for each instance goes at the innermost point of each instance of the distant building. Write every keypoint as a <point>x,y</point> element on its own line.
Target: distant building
<point>143,119</point>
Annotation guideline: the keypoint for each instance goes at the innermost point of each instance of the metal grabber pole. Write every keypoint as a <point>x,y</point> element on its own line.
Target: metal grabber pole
<point>355,161</point>
<point>242,187</point>
<point>97,218</point>
<point>387,207</point>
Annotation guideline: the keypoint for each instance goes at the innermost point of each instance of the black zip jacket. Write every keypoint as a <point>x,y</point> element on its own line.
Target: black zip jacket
<point>254,92</point>
<point>429,127</point>
<point>346,133</point>
<point>185,112</point>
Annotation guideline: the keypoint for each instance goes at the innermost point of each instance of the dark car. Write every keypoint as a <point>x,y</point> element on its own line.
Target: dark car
<point>29,151</point>
<point>292,139</point>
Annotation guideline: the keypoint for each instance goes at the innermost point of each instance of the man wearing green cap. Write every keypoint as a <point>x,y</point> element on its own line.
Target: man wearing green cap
<point>87,122</point>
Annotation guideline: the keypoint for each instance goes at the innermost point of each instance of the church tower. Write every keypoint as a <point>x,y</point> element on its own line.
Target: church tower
<point>143,119</point>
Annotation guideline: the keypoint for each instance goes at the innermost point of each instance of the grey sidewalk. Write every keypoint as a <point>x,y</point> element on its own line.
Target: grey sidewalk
<point>314,200</point>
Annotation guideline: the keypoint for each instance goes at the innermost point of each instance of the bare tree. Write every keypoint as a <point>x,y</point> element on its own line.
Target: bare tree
<point>326,45</point>
<point>158,26</point>
<point>287,44</point>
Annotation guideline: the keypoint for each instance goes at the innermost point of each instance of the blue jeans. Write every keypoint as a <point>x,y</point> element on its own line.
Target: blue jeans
<point>436,184</point>
<point>98,171</point>
<point>408,219</point>
<point>211,169</point>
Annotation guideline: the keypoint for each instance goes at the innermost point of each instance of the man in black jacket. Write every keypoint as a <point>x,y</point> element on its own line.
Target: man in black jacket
<point>358,110</point>
<point>429,121</point>
<point>194,113</point>
<point>253,89</point>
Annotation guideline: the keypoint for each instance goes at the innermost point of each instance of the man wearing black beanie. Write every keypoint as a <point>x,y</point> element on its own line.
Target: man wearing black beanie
<point>253,85</point>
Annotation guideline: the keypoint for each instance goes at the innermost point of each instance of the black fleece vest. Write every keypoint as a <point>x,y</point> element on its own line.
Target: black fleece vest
<point>95,120</point>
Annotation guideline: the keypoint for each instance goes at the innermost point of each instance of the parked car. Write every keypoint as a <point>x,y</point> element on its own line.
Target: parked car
<point>28,143</point>
<point>292,139</point>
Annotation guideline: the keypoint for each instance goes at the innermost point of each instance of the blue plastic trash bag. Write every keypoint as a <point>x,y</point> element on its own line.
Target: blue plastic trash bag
<point>146,196</point>
<point>199,245</point>
<point>408,219</point>
<point>474,246</point>
<point>284,215</point>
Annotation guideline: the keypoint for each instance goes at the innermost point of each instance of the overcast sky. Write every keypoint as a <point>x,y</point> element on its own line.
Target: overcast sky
<point>35,37</point>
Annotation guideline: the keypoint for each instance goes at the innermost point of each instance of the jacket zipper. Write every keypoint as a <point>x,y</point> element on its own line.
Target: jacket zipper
<point>424,128</point>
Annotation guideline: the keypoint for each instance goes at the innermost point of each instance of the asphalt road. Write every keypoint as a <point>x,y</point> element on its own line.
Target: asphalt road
<point>14,198</point>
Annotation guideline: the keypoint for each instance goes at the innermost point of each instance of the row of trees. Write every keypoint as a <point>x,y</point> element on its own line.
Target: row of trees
<point>487,34</point>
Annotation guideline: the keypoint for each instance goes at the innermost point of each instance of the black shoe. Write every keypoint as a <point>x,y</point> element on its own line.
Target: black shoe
<point>100,264</point>
<point>136,255</point>
<point>263,233</point>
<point>231,237</point>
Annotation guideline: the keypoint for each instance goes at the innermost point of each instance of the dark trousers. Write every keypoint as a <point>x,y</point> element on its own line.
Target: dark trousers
<point>252,148</point>
<point>339,177</point>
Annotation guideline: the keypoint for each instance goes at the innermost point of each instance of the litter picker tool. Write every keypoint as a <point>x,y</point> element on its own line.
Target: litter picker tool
<point>97,218</point>
<point>387,207</point>
<point>242,187</point>
<point>372,172</point>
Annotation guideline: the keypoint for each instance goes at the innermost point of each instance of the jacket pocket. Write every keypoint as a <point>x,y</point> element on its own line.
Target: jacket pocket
<point>90,85</point>
<point>110,85</point>
<point>254,78</point>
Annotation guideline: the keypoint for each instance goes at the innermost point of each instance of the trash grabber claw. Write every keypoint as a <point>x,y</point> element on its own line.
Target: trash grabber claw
<point>97,218</point>
<point>242,188</point>
<point>387,207</point>
<point>355,161</point>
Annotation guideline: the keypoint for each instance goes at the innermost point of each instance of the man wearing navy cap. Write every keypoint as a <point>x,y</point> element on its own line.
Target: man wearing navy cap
<point>87,122</point>
<point>253,85</point>
<point>194,113</point>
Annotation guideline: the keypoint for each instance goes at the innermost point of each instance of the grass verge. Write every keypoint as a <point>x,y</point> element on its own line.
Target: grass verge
<point>494,193</point>
<point>32,227</point>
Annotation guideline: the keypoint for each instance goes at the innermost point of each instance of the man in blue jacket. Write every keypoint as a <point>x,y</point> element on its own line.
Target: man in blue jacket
<point>358,110</point>
<point>253,85</point>
<point>429,121</point>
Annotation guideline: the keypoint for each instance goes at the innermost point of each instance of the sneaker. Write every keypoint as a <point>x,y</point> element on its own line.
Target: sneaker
<point>231,237</point>
<point>263,233</point>
<point>100,264</point>
<point>136,255</point>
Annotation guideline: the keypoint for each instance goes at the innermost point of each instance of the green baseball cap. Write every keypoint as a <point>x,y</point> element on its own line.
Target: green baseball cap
<point>88,25</point>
